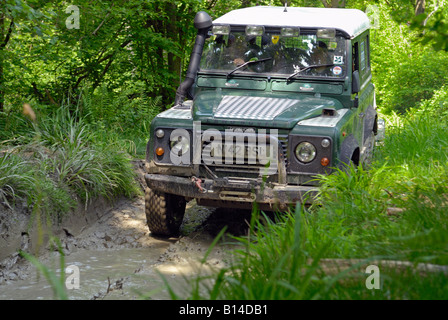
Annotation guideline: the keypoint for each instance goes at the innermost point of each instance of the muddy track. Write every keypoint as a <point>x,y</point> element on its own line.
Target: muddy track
<point>110,243</point>
<point>119,240</point>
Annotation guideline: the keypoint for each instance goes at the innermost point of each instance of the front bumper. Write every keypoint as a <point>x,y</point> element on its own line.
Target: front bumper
<point>232,190</point>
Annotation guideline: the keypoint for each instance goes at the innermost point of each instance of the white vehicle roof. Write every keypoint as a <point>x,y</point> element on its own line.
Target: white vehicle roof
<point>351,21</point>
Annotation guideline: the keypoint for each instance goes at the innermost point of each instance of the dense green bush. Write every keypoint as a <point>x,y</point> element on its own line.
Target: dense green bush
<point>405,71</point>
<point>62,160</point>
<point>81,161</point>
<point>436,106</point>
<point>16,178</point>
<point>123,115</point>
<point>13,126</point>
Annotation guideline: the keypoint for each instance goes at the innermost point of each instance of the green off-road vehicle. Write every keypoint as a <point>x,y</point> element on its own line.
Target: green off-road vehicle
<point>272,97</point>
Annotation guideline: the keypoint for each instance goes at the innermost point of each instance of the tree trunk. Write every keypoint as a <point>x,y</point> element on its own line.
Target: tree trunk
<point>2,37</point>
<point>5,35</point>
<point>174,32</point>
<point>246,3</point>
<point>420,6</point>
<point>334,3</point>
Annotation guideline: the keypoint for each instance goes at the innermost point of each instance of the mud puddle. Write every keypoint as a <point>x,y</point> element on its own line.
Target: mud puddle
<point>118,258</point>
<point>102,274</point>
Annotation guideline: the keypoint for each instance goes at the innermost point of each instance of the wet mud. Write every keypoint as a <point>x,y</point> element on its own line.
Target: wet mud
<point>117,257</point>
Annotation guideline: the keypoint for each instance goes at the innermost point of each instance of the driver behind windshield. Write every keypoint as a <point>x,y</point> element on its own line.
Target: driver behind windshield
<point>274,54</point>
<point>320,56</point>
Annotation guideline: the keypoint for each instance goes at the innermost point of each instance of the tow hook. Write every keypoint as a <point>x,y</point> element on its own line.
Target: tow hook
<point>197,182</point>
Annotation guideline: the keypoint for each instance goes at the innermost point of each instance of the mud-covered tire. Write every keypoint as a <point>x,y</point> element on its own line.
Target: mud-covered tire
<point>164,212</point>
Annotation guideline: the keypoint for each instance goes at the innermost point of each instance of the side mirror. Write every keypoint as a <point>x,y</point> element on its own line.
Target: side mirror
<point>356,82</point>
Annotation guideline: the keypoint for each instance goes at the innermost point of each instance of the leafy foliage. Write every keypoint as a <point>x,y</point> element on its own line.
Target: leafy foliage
<point>16,178</point>
<point>80,163</point>
<point>95,90</point>
<point>433,27</point>
<point>406,72</point>
<point>62,159</point>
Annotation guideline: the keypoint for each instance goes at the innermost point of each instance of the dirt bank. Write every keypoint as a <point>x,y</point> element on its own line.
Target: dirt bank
<point>21,229</point>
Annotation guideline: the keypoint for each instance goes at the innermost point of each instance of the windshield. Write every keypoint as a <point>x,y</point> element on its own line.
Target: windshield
<point>290,57</point>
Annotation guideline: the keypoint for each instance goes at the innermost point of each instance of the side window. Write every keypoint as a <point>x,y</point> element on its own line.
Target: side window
<point>368,51</point>
<point>355,57</point>
<point>363,56</point>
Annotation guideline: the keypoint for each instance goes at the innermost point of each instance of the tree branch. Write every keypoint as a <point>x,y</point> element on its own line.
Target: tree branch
<point>8,35</point>
<point>79,80</point>
<point>101,24</point>
<point>431,14</point>
<point>97,82</point>
<point>211,4</point>
<point>37,93</point>
<point>99,60</point>
<point>325,3</point>
<point>420,6</point>
<point>106,45</point>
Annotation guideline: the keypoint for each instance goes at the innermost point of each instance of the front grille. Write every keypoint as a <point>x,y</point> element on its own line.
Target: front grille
<point>227,157</point>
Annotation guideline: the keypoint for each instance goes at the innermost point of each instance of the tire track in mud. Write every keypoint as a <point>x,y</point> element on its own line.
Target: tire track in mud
<point>181,258</point>
<point>119,240</point>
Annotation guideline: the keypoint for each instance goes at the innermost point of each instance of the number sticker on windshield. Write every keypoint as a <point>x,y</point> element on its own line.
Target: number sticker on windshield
<point>338,60</point>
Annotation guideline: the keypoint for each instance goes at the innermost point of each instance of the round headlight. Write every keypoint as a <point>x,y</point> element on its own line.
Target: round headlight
<point>305,152</point>
<point>325,143</point>
<point>180,145</point>
<point>160,133</point>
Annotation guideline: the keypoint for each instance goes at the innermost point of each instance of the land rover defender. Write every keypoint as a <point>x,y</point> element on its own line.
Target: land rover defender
<point>272,97</point>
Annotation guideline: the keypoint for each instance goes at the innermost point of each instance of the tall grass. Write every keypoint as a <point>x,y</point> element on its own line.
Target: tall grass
<point>276,262</point>
<point>12,127</point>
<point>270,263</point>
<point>60,158</point>
<point>396,210</point>
<point>123,115</point>
<point>81,161</point>
<point>399,208</point>
<point>16,178</point>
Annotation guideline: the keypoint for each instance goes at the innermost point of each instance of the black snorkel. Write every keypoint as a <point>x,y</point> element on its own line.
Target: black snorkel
<point>202,22</point>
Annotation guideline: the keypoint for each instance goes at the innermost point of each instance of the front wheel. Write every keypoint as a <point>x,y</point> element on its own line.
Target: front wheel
<point>164,212</point>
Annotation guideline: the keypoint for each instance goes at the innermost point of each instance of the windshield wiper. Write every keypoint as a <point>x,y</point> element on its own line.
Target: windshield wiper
<point>245,64</point>
<point>309,67</point>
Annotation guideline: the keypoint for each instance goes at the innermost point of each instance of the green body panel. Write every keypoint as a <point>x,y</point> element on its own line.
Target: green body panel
<point>300,109</point>
<point>295,87</point>
<point>307,105</point>
<point>223,82</point>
